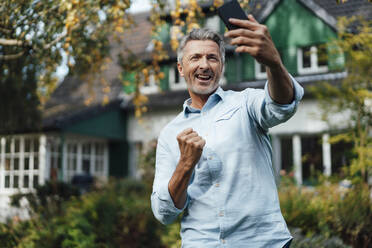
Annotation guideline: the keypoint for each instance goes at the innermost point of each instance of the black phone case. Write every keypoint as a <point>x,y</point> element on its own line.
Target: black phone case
<point>231,9</point>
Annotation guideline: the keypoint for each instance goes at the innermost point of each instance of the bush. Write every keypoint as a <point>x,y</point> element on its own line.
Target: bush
<point>118,215</point>
<point>318,241</point>
<point>328,211</point>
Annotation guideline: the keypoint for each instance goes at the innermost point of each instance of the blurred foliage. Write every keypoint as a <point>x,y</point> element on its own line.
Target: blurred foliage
<point>19,109</point>
<point>317,240</point>
<point>353,97</point>
<point>47,200</point>
<point>329,210</point>
<point>36,36</point>
<point>117,215</point>
<point>171,236</point>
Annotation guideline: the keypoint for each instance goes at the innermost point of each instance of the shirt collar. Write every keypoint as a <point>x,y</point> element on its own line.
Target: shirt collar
<point>218,95</point>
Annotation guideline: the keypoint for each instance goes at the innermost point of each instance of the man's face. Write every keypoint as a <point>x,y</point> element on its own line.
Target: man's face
<point>201,66</point>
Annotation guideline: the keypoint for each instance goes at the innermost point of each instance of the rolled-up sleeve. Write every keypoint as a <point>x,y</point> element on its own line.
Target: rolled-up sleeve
<point>266,111</point>
<point>161,202</point>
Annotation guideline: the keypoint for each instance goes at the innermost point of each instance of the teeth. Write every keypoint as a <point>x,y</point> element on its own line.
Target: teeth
<point>203,77</point>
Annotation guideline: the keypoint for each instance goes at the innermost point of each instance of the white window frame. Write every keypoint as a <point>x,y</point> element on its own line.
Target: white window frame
<point>93,157</point>
<point>314,67</point>
<point>297,153</point>
<point>180,84</point>
<point>257,70</point>
<point>32,173</point>
<point>150,87</point>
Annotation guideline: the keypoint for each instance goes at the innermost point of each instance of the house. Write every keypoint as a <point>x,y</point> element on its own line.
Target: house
<point>299,29</point>
<point>82,135</point>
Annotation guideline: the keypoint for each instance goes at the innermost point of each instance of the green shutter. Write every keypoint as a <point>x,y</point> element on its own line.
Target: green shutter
<point>163,33</point>
<point>222,27</point>
<point>231,70</point>
<point>247,67</point>
<point>289,59</point>
<point>118,159</point>
<point>128,82</point>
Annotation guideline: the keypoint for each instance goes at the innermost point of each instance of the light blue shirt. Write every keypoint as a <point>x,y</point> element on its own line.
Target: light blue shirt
<point>232,199</point>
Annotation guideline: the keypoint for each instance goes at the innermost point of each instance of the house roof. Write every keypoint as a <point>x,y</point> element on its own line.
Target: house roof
<point>67,103</point>
<point>348,8</point>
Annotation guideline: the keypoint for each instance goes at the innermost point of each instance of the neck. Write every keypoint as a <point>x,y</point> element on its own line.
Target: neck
<point>199,100</point>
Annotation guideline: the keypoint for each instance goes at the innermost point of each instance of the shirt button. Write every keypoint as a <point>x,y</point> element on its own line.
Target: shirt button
<point>223,241</point>
<point>217,185</point>
<point>210,158</point>
<point>221,213</point>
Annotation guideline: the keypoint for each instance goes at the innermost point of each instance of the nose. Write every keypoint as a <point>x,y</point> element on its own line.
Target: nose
<point>204,64</point>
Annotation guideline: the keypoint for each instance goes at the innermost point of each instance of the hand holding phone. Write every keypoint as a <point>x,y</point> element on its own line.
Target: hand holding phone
<point>231,9</point>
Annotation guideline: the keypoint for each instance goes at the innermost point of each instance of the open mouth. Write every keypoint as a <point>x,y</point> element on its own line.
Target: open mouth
<point>203,77</point>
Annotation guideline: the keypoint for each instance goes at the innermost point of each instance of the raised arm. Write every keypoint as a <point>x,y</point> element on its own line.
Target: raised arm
<point>191,147</point>
<point>254,38</point>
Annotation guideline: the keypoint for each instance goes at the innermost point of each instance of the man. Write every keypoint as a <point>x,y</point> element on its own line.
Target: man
<point>213,161</point>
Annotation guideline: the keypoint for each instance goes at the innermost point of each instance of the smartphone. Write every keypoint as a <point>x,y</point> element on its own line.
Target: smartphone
<point>231,9</point>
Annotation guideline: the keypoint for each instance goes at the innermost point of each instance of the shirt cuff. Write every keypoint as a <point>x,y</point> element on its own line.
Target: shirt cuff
<point>168,204</point>
<point>298,93</point>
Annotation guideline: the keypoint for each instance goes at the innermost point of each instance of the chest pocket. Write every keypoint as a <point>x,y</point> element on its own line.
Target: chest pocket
<point>228,128</point>
<point>228,114</point>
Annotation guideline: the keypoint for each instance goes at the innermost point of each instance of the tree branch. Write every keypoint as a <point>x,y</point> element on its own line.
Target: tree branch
<point>11,56</point>
<point>5,30</point>
<point>10,42</point>
<point>56,40</point>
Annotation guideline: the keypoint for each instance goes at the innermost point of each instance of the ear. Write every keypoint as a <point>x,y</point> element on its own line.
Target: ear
<point>180,69</point>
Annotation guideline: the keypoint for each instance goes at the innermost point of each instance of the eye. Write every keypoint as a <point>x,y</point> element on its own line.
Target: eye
<point>194,57</point>
<point>213,58</point>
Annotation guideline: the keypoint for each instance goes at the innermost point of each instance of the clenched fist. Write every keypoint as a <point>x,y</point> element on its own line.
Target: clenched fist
<point>191,147</point>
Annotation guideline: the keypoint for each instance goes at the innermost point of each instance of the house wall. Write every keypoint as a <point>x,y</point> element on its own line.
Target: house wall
<point>142,132</point>
<point>292,25</point>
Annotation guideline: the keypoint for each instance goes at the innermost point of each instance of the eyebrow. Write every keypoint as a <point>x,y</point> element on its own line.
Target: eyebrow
<point>199,55</point>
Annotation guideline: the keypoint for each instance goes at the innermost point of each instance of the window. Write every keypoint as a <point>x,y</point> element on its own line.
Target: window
<point>341,156</point>
<point>308,156</point>
<point>53,157</point>
<point>312,59</point>
<point>286,154</point>
<point>72,157</point>
<point>176,82</point>
<point>150,86</point>
<point>260,69</point>
<point>312,163</point>
<point>19,162</point>
<point>85,157</point>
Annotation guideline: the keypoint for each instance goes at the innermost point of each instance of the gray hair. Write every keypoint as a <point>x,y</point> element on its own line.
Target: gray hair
<point>201,34</point>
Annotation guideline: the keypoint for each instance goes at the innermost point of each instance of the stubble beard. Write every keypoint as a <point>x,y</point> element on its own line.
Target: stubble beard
<point>211,88</point>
